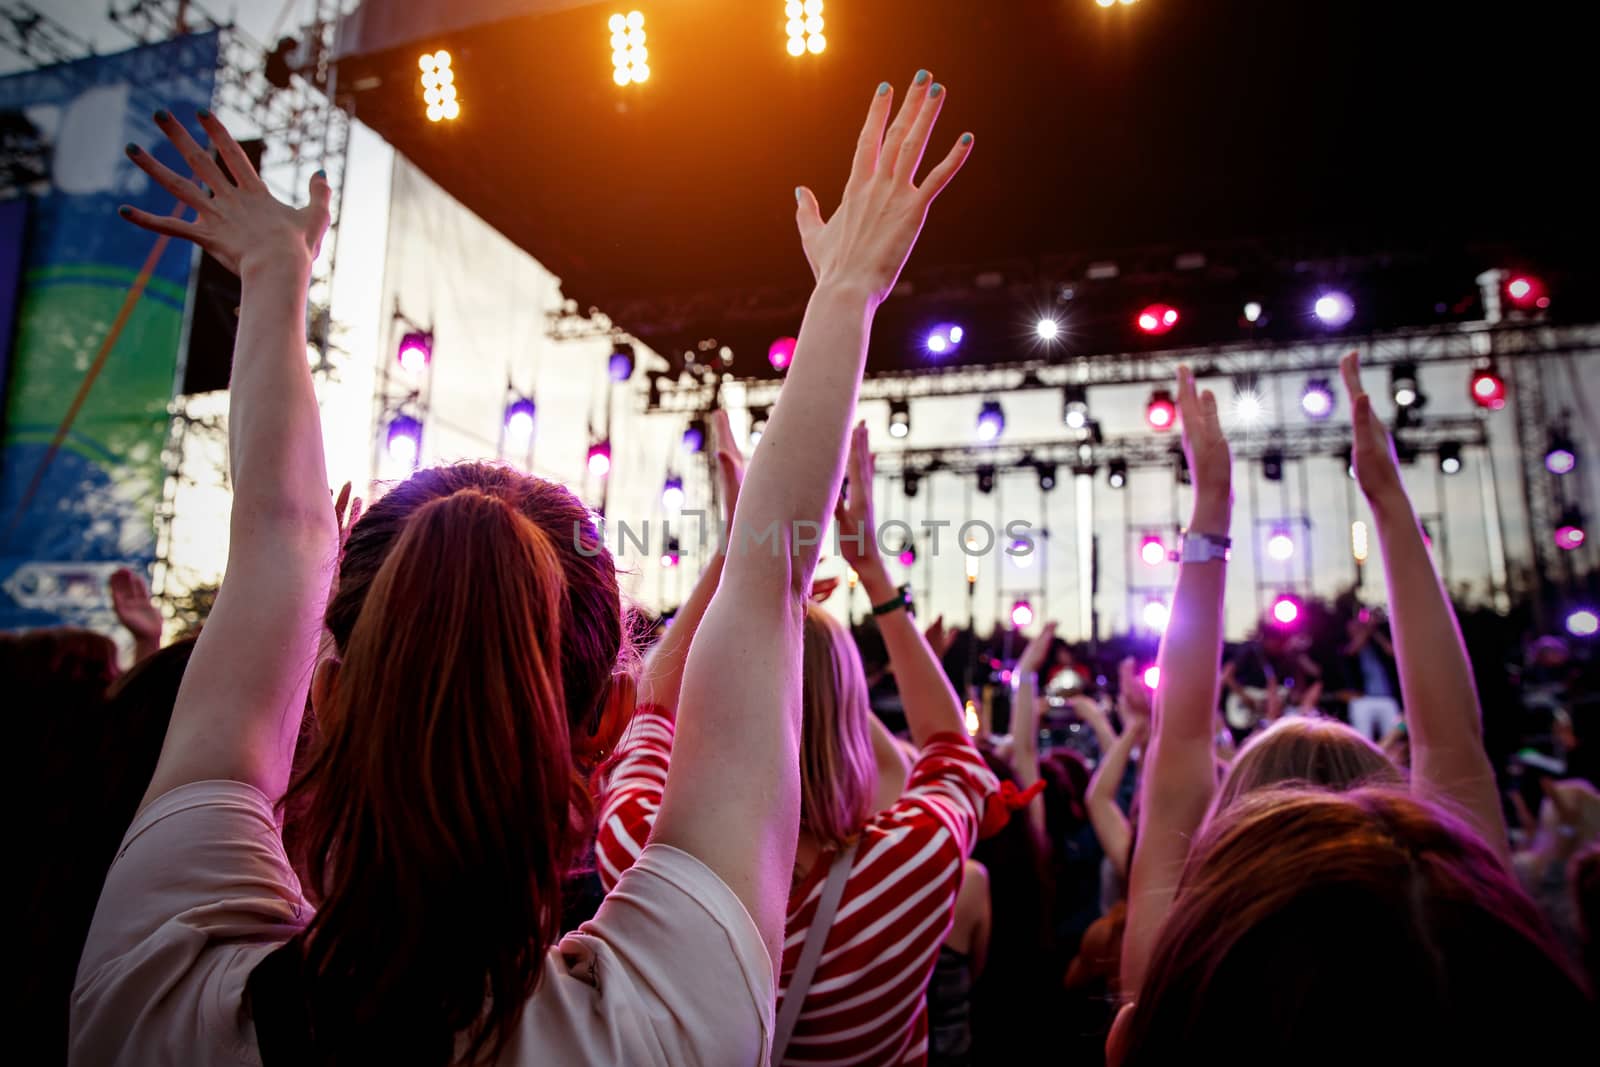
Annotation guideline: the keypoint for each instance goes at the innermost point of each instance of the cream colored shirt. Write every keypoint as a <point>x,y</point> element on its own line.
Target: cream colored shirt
<point>671,970</point>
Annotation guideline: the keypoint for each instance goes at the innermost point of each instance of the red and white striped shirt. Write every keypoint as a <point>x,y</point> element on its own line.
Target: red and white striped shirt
<point>867,1002</point>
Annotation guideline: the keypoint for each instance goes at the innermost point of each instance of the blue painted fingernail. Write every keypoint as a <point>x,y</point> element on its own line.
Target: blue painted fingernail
<point>132,149</point>
<point>798,192</point>
<point>883,88</point>
<point>966,138</point>
<point>321,174</point>
<point>162,115</point>
<point>203,113</point>
<point>124,211</point>
<point>922,77</point>
<point>936,90</point>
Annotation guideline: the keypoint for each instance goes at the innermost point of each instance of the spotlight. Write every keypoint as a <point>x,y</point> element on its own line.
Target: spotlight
<point>1155,615</point>
<point>911,481</point>
<point>1280,546</point>
<point>1570,535</point>
<point>600,459</point>
<point>908,555</point>
<point>1488,388</point>
<point>991,420</point>
<point>1021,553</point>
<point>405,439</point>
<point>1285,610</point>
<point>944,338</point>
<point>1248,405</point>
<point>670,554</point>
<point>986,480</point>
<point>1046,329</point>
<point>1526,291</point>
<point>1562,456</point>
<point>1583,622</point>
<point>694,436</point>
<point>1359,546</point>
<point>519,419</point>
<point>1075,407</point>
<point>672,494</point>
<point>758,424</point>
<point>1117,473</point>
<point>620,365</point>
<point>1450,458</point>
<point>1153,551</point>
<point>1252,312</point>
<point>416,351</point>
<point>1021,614</point>
<point>899,418</point>
<point>781,353</point>
<point>1157,319</point>
<point>1403,386</point>
<point>1272,466</point>
<point>1152,677</point>
<point>438,86</point>
<point>1317,400</point>
<point>629,57</point>
<point>804,27</point>
<point>1161,412</point>
<point>1047,476</point>
<point>1334,309</point>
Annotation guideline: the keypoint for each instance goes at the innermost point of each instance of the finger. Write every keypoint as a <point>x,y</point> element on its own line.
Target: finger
<point>894,140</point>
<point>808,217</point>
<point>239,166</point>
<point>1188,402</point>
<point>182,188</point>
<point>940,176</point>
<point>909,157</point>
<point>354,516</point>
<point>321,194</point>
<point>1208,413</point>
<point>199,160</point>
<point>869,146</point>
<point>1350,371</point>
<point>341,502</point>
<point>171,225</point>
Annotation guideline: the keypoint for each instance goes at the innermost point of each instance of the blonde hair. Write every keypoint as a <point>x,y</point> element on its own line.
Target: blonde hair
<point>838,776</point>
<point>1305,750</point>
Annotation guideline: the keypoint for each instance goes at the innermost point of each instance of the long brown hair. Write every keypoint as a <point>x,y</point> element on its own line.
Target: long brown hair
<point>479,623</point>
<point>1344,926</point>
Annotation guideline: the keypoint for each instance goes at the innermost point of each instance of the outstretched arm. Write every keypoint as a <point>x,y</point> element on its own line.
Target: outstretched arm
<point>661,678</point>
<point>130,599</point>
<point>1180,766</point>
<point>1110,823</point>
<point>929,700</point>
<point>238,710</point>
<point>1025,720</point>
<point>732,796</point>
<point>1441,699</point>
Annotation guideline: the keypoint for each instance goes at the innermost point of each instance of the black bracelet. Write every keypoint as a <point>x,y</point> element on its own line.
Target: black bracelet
<point>901,599</point>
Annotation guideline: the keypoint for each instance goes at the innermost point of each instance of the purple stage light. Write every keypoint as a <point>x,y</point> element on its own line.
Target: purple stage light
<point>1021,614</point>
<point>1285,611</point>
<point>1152,677</point>
<point>1333,308</point>
<point>672,494</point>
<point>405,439</point>
<point>991,420</point>
<point>519,419</point>
<point>1280,546</point>
<point>1153,551</point>
<point>1317,399</point>
<point>1570,538</point>
<point>944,338</point>
<point>600,459</point>
<point>620,365</point>
<point>1583,622</point>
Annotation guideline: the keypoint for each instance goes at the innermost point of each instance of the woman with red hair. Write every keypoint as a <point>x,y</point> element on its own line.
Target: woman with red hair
<point>477,625</point>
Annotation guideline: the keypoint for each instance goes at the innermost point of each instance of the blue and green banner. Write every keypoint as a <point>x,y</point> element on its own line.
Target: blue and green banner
<point>98,320</point>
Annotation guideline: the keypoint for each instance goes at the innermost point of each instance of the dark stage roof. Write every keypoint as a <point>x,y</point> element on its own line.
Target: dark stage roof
<point>1292,141</point>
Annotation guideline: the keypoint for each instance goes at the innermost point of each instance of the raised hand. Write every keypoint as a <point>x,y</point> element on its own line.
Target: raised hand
<point>1377,468</point>
<point>1037,650</point>
<point>1133,696</point>
<point>730,463</point>
<point>867,240</point>
<point>858,538</point>
<point>939,637</point>
<point>239,224</point>
<point>130,599</point>
<point>1210,463</point>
